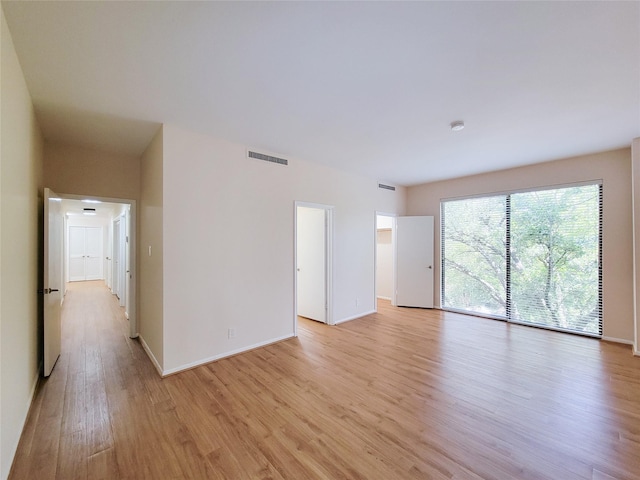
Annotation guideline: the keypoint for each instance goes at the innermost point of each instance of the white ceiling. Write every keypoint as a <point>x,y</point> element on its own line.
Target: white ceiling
<point>369,87</point>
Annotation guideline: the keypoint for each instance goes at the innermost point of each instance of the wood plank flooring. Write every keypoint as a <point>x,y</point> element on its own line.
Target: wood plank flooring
<point>402,394</point>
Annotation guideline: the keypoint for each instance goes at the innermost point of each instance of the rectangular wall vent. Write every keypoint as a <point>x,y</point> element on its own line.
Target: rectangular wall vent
<point>387,187</point>
<point>267,158</point>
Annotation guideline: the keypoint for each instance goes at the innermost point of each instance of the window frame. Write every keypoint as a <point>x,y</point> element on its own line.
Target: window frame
<point>507,194</point>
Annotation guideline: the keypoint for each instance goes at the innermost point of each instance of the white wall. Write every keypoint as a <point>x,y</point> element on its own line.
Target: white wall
<point>613,168</point>
<point>150,277</point>
<point>228,244</point>
<point>21,152</point>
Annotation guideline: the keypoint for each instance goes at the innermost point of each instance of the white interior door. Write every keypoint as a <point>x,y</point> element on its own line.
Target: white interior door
<point>93,253</point>
<point>53,224</point>
<point>116,258</point>
<point>122,263</point>
<point>311,256</point>
<point>85,253</point>
<point>127,263</point>
<point>414,262</point>
<point>76,254</point>
<point>108,252</point>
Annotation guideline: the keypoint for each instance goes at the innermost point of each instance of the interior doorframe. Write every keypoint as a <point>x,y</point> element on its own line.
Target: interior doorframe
<point>375,257</point>
<point>122,246</point>
<point>132,291</point>
<point>329,239</point>
<point>116,254</point>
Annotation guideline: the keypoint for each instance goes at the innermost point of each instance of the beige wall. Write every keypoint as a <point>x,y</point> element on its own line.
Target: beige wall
<point>80,171</point>
<point>635,152</point>
<point>613,168</point>
<point>229,244</point>
<point>20,214</point>
<point>150,268</point>
<point>76,170</point>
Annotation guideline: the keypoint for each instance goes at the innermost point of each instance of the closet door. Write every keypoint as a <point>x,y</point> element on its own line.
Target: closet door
<point>85,254</point>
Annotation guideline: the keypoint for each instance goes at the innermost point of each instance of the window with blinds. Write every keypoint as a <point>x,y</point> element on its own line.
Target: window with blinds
<point>532,257</point>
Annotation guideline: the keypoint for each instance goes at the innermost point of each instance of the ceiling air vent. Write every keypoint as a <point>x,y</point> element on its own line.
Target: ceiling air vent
<point>267,158</point>
<point>386,187</point>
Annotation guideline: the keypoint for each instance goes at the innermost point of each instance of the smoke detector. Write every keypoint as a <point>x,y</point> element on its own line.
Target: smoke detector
<point>457,126</point>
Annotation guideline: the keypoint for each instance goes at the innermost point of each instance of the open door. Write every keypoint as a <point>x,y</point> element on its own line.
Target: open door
<point>311,263</point>
<point>414,262</point>
<point>53,224</point>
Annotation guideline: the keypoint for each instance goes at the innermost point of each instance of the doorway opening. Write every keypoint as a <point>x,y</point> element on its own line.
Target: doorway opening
<point>313,249</point>
<point>99,243</point>
<point>385,258</point>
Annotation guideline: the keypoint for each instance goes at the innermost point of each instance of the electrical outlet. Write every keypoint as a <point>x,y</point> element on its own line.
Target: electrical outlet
<point>232,333</point>
<point>357,302</point>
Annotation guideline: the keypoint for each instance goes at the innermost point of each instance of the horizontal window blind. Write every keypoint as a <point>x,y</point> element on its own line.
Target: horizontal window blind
<point>531,257</point>
<point>473,255</point>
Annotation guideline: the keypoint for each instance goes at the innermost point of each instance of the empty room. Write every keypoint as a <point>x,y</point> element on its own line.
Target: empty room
<point>320,240</point>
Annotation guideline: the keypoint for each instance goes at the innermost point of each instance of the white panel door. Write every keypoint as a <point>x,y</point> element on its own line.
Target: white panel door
<point>52,275</point>
<point>414,262</point>
<point>85,253</point>
<point>311,263</point>
<point>76,254</point>
<point>115,277</point>
<point>93,253</point>
<point>122,263</point>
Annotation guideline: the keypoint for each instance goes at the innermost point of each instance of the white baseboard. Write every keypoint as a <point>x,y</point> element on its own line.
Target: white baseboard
<point>231,353</point>
<point>151,356</point>
<point>617,340</point>
<point>360,315</point>
<point>383,298</point>
<point>14,446</point>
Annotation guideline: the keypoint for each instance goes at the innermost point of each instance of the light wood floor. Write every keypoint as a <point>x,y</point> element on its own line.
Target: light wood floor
<point>403,394</point>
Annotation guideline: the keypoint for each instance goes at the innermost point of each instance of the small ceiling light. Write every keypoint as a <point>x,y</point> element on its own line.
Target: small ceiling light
<point>457,125</point>
<point>91,201</point>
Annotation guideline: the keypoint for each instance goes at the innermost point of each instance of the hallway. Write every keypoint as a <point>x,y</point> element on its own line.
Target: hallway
<point>71,420</point>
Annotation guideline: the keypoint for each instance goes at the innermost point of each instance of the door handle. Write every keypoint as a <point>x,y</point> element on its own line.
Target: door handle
<point>429,267</point>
